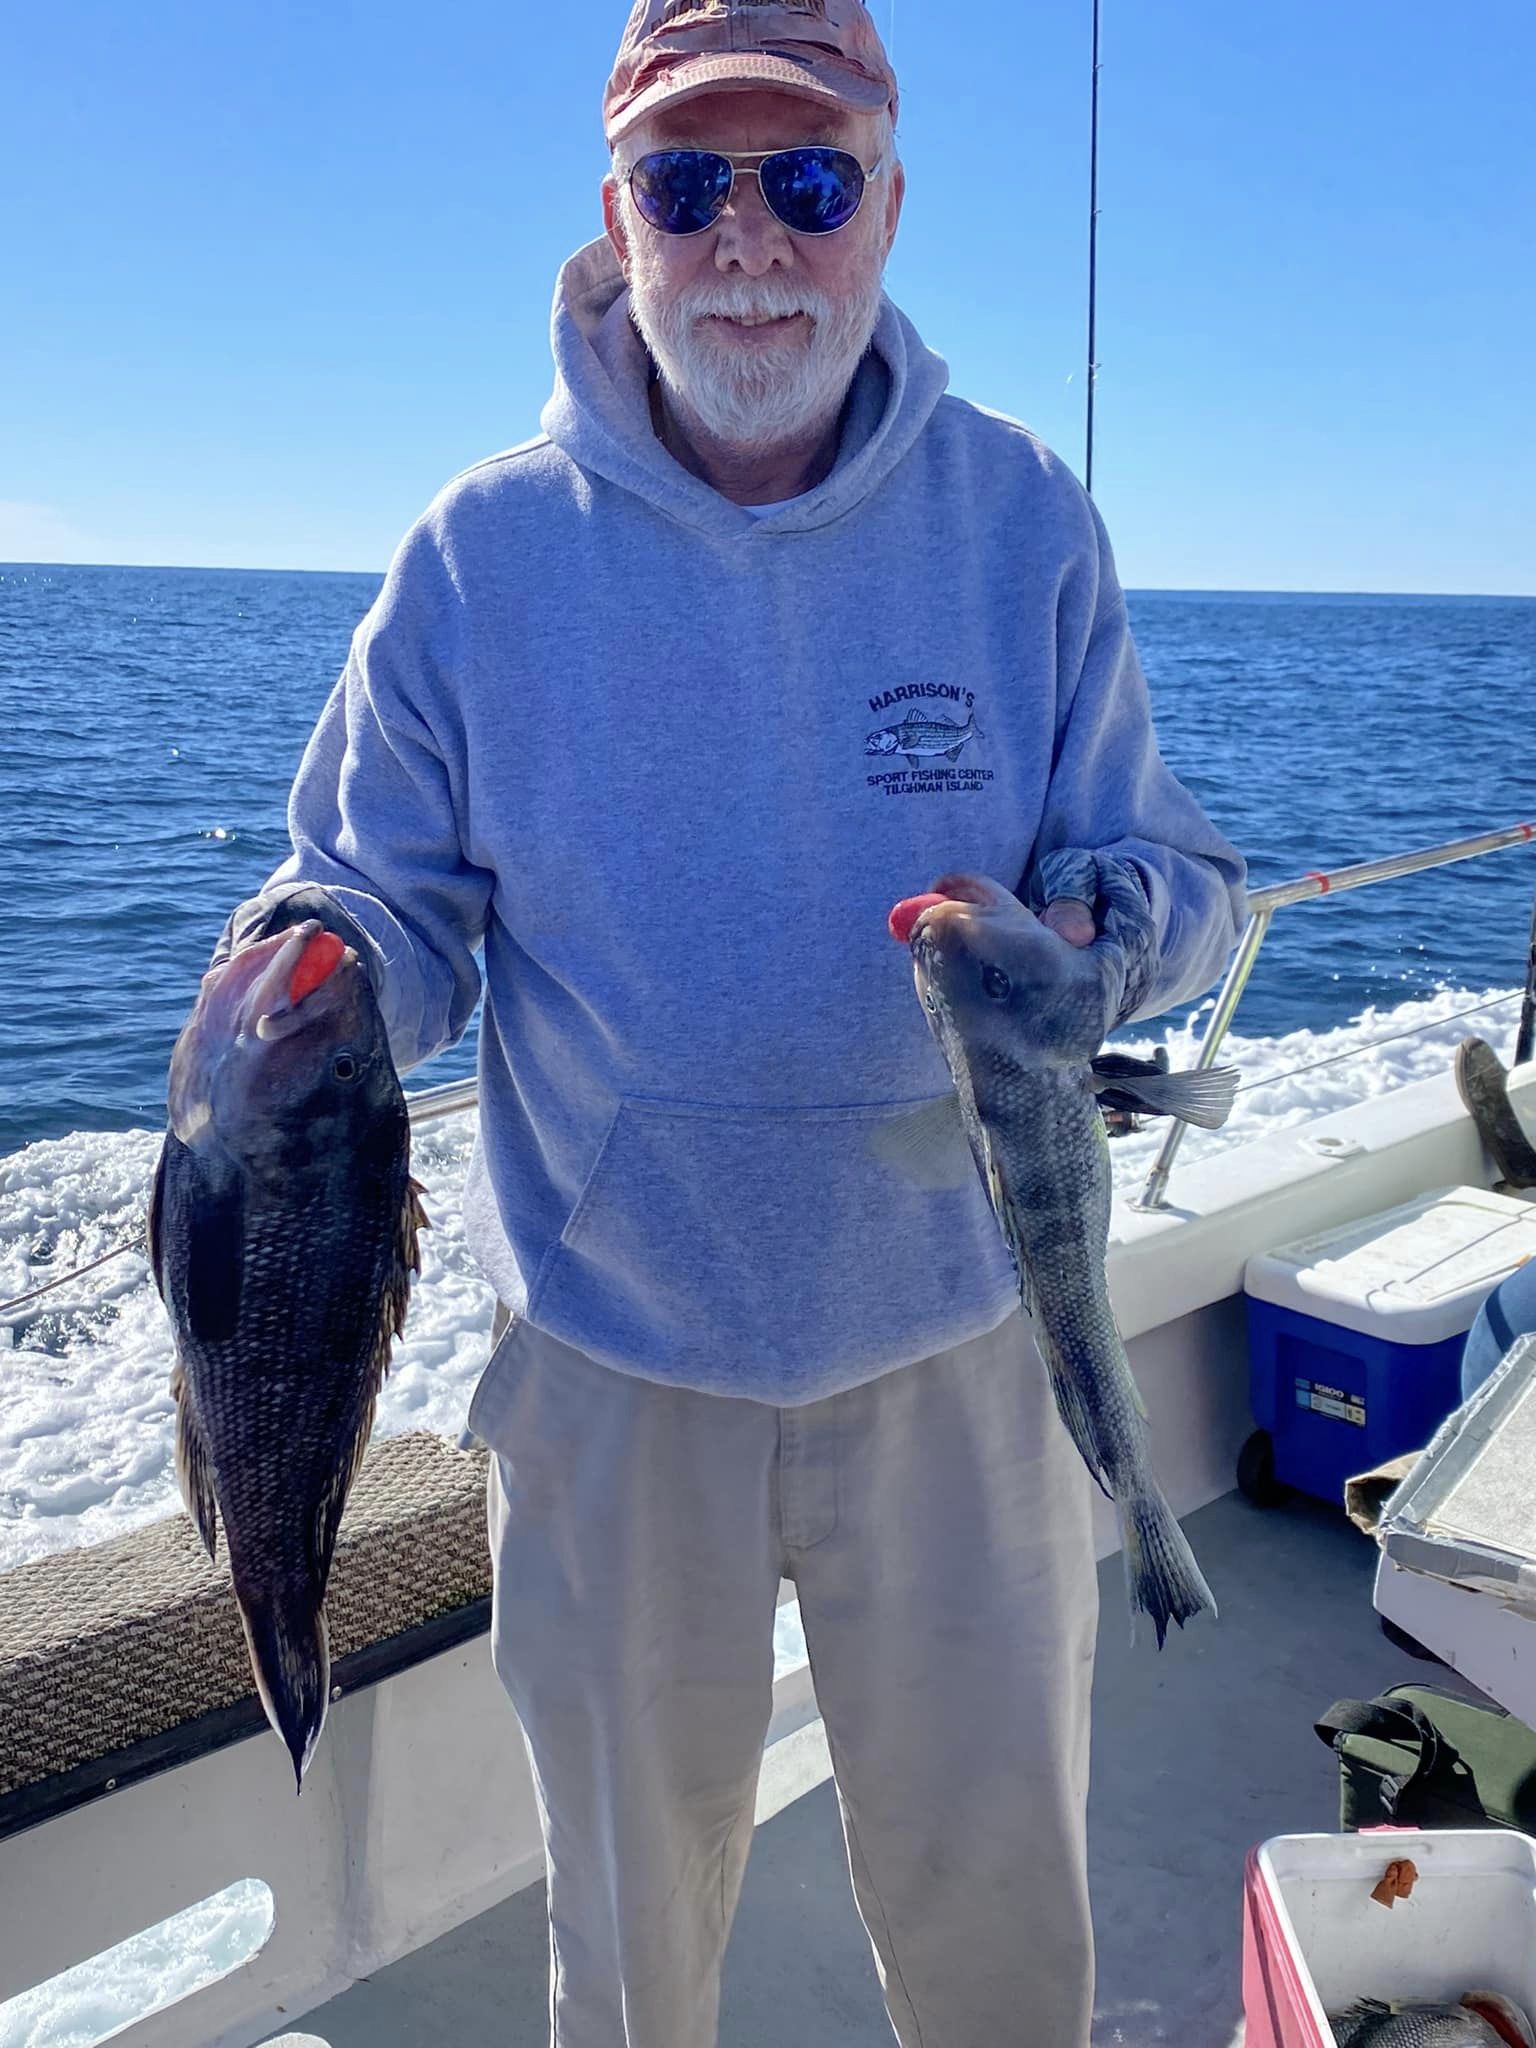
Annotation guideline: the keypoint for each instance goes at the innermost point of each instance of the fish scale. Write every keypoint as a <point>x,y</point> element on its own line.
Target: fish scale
<point>1374,2025</point>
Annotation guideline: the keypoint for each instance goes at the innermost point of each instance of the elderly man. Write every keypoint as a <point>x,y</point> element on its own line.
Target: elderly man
<point>665,709</point>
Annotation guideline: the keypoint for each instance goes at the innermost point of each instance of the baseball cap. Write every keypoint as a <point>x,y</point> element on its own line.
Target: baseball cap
<point>827,51</point>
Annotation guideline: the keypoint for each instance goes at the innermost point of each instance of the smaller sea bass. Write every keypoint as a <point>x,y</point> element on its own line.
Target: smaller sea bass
<point>1481,2020</point>
<point>1020,1016</point>
<point>283,1235</point>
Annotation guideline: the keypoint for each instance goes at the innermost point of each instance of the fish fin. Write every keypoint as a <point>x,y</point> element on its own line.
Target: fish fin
<point>1160,1569</point>
<point>413,1218</point>
<point>1203,1097</point>
<point>926,1146</point>
<point>215,1259</point>
<point>1357,2014</point>
<point>1002,1208</point>
<point>290,1653</point>
<point>953,753</point>
<point>152,1224</point>
<point>1076,1420</point>
<point>1125,1066</point>
<point>194,1473</point>
<point>914,760</point>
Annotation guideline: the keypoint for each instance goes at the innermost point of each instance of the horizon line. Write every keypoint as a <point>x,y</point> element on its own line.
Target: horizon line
<point>1130,589</point>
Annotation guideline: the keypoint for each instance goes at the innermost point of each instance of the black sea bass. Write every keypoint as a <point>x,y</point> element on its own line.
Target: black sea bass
<point>1020,1017</point>
<point>283,1234</point>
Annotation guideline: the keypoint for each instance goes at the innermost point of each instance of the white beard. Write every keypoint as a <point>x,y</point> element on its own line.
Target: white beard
<point>762,398</point>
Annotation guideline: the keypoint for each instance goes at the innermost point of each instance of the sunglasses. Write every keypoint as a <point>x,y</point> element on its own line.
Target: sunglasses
<point>813,190</point>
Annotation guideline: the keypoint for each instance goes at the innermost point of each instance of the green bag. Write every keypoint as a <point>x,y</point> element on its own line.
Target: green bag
<point>1418,1757</point>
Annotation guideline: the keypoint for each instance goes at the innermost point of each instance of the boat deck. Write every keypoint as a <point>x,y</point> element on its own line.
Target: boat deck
<point>1198,1755</point>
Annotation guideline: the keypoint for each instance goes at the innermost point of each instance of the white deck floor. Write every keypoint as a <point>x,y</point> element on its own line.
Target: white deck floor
<point>1197,1755</point>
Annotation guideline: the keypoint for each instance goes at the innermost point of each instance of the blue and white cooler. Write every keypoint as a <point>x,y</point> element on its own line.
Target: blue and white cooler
<point>1355,1335</point>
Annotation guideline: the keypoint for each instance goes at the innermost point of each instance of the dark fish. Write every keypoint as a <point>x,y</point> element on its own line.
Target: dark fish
<point>1481,2020</point>
<point>1020,1017</point>
<point>283,1234</point>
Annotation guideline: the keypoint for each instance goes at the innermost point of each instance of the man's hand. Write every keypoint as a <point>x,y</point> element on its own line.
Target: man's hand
<point>1071,919</point>
<point>294,903</point>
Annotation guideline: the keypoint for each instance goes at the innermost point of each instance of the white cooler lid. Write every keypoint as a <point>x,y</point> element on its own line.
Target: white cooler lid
<point>1417,1274</point>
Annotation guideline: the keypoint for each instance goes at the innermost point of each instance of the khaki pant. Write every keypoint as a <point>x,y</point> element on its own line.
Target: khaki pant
<point>936,1525</point>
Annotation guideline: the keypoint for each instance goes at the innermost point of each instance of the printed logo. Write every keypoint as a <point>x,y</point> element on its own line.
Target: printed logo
<point>925,737</point>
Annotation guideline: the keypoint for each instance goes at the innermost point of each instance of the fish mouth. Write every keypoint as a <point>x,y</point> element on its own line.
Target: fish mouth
<point>943,913</point>
<point>251,995</point>
<point>248,998</point>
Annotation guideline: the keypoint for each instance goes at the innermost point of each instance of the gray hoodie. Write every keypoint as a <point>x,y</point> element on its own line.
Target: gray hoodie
<point>671,766</point>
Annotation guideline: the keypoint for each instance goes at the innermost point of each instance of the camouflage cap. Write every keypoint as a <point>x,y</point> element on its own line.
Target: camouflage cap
<point>822,50</point>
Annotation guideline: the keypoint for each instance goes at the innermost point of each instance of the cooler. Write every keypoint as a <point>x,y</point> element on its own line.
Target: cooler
<point>1315,1941</point>
<point>1355,1335</point>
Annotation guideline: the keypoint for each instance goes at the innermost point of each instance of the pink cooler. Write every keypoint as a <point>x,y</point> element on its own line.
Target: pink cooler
<point>1314,1940</point>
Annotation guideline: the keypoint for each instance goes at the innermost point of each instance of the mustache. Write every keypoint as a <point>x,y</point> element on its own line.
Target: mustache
<point>757,299</point>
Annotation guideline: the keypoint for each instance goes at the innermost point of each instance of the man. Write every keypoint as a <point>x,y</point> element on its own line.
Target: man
<point>667,708</point>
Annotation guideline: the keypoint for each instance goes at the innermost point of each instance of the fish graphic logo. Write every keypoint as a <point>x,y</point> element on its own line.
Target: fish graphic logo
<point>923,736</point>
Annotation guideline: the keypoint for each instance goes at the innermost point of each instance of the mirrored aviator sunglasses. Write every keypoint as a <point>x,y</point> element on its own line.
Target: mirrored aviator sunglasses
<point>813,190</point>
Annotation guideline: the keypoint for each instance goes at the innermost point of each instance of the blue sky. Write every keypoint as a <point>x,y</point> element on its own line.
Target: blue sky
<point>271,275</point>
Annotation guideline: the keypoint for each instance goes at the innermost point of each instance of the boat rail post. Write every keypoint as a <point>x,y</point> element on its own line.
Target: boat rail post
<point>1155,1194</point>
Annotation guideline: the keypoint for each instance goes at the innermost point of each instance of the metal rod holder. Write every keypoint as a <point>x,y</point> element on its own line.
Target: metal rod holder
<point>1155,1194</point>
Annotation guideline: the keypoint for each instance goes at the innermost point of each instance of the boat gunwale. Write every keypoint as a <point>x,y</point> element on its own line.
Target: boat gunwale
<point>47,1799</point>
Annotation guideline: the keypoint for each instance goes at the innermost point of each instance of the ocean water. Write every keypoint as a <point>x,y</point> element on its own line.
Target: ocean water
<point>153,718</point>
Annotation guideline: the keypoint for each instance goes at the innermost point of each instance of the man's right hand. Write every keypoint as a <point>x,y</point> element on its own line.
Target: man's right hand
<point>289,904</point>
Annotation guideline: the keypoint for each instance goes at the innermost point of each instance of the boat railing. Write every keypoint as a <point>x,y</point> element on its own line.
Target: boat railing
<point>1262,907</point>
<point>449,1098</point>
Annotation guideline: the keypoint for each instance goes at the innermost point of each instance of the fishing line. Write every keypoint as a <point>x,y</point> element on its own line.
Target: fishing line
<point>132,1244</point>
<point>1414,1031</point>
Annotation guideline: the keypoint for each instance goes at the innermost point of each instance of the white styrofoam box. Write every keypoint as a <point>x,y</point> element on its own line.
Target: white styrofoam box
<point>1417,1274</point>
<point>1469,1926</point>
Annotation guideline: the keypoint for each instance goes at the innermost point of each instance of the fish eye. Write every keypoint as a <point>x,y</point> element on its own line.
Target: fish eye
<point>996,984</point>
<point>930,1002</point>
<point>344,1067</point>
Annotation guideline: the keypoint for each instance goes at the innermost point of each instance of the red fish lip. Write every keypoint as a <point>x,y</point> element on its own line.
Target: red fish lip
<point>272,1002</point>
<point>317,963</point>
<point>251,993</point>
<point>904,919</point>
<point>976,892</point>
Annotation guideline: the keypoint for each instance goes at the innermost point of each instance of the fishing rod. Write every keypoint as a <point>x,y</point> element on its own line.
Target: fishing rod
<point>1525,1041</point>
<point>1093,247</point>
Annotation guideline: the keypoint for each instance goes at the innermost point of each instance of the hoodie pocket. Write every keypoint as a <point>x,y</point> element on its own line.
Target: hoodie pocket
<point>766,1252</point>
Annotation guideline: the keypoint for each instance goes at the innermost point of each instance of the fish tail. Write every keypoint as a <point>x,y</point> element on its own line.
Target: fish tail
<point>290,1650</point>
<point>1160,1569</point>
